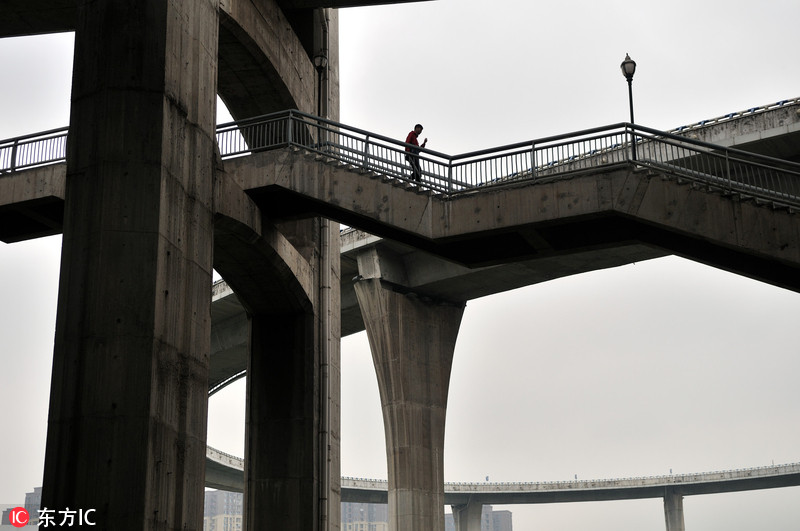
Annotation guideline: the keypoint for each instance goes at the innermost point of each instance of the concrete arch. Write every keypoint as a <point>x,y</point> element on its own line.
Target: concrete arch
<point>263,66</point>
<point>258,262</point>
<point>275,285</point>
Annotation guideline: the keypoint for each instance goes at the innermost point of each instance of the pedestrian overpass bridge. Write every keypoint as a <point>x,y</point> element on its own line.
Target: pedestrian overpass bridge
<point>481,222</point>
<point>489,221</point>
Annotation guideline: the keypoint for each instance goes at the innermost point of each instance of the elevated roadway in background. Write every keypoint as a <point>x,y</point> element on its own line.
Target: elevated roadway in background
<point>226,472</point>
<point>770,477</point>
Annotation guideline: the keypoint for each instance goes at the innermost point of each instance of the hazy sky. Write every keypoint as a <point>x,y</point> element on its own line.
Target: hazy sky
<point>632,371</point>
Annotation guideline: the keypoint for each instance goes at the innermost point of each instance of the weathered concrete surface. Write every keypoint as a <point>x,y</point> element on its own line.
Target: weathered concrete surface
<point>30,17</point>
<point>287,278</point>
<point>433,276</point>
<point>673,511</point>
<point>128,407</point>
<point>412,342</point>
<point>774,132</point>
<point>618,205</point>
<point>292,353</point>
<point>278,79</point>
<point>32,203</point>
<point>467,517</point>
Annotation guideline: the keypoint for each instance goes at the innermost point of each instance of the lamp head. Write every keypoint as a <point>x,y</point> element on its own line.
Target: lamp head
<point>628,67</point>
<point>320,62</point>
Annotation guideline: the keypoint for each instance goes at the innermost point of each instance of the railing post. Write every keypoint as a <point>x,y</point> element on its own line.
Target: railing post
<point>728,170</point>
<point>533,160</point>
<point>366,153</point>
<point>14,156</point>
<point>289,131</point>
<point>450,176</point>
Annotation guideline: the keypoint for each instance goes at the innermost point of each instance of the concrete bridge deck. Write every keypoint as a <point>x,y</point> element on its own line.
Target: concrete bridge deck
<point>227,472</point>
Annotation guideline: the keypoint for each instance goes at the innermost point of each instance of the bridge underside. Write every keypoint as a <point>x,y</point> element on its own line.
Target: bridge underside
<point>31,17</point>
<point>615,208</point>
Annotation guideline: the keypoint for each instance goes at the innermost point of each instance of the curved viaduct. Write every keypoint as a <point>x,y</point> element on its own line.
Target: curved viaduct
<point>149,208</point>
<point>228,472</point>
<point>467,499</point>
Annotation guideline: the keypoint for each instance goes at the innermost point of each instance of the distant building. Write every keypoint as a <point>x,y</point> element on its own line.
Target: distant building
<point>222,522</point>
<point>491,520</point>
<point>375,517</point>
<point>365,517</point>
<point>222,511</point>
<point>33,502</point>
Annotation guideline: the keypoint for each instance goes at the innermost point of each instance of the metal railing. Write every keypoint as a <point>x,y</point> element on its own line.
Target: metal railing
<point>556,157</point>
<point>726,169</point>
<point>589,484</point>
<point>33,150</point>
<point>387,157</point>
<point>719,168</point>
<point>736,115</point>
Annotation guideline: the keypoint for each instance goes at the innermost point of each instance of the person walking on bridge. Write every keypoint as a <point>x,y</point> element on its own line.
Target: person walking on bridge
<point>412,152</point>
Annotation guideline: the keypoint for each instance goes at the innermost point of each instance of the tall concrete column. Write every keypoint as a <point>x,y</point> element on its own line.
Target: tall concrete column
<point>673,511</point>
<point>128,407</point>
<point>467,517</point>
<point>281,480</point>
<point>412,341</point>
<point>291,294</point>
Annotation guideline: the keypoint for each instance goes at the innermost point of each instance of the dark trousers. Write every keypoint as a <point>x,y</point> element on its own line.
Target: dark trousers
<point>416,172</point>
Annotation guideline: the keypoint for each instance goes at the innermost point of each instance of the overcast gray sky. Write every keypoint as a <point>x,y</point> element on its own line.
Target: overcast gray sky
<point>632,371</point>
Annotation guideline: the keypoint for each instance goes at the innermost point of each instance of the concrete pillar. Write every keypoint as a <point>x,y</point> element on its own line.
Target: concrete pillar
<point>468,517</point>
<point>673,511</point>
<point>292,471</point>
<point>128,407</point>
<point>281,461</point>
<point>412,341</point>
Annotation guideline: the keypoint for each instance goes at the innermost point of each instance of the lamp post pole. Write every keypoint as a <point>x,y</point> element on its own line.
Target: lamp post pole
<point>320,63</point>
<point>628,68</point>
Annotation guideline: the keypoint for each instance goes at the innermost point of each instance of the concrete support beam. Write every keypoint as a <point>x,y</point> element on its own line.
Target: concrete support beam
<point>412,341</point>
<point>128,406</point>
<point>673,511</point>
<point>467,517</point>
<point>281,459</point>
<point>292,472</point>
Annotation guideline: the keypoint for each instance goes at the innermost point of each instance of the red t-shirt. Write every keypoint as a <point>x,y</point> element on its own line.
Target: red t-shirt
<point>412,139</point>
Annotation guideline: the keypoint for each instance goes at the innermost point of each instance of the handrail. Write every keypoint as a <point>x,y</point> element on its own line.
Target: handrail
<point>555,157</point>
<point>37,149</point>
<point>734,115</point>
<point>692,477</point>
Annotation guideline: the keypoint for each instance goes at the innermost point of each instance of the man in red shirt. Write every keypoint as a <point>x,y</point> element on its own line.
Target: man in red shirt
<point>411,152</point>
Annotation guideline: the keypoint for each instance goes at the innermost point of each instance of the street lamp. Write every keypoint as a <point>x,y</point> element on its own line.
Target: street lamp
<point>628,68</point>
<point>320,63</point>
